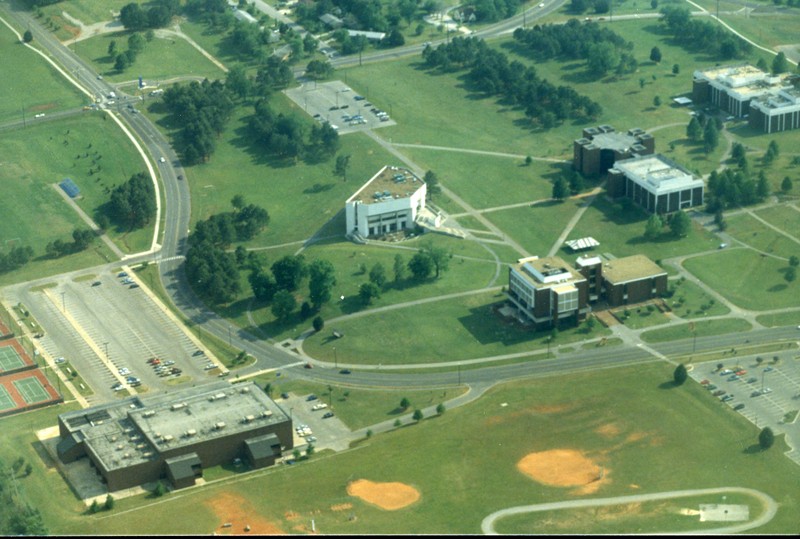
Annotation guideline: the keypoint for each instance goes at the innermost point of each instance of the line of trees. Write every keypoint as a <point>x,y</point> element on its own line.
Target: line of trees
<point>602,48</point>
<point>203,109</point>
<point>15,258</point>
<point>17,516</point>
<point>135,17</point>
<point>81,239</point>
<point>699,35</point>
<point>490,72</point>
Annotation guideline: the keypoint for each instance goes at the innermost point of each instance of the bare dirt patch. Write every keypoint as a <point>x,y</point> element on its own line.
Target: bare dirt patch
<point>341,507</point>
<point>609,430</point>
<point>390,496</point>
<point>563,468</point>
<point>551,408</point>
<point>237,516</point>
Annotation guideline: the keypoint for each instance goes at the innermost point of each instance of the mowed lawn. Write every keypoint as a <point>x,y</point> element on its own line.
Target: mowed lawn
<point>31,86</point>
<point>746,278</point>
<point>90,11</point>
<point>647,436</point>
<point>760,236</point>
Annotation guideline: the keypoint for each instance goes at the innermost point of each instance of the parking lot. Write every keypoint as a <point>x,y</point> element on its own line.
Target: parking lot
<point>324,433</point>
<point>107,327</point>
<point>763,391</point>
<point>341,106</point>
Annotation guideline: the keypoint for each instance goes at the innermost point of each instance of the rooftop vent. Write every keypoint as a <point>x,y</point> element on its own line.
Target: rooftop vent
<point>248,418</point>
<point>266,413</point>
<point>149,413</point>
<point>244,390</point>
<point>219,425</point>
<point>178,405</point>
<point>190,432</point>
<point>168,437</point>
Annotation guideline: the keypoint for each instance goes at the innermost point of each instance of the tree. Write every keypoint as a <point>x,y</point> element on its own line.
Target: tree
<point>112,48</point>
<point>653,228</point>
<point>694,131</point>
<point>421,265</point>
<point>766,438</point>
<point>27,37</point>
<point>136,42</point>
<point>283,304</point>
<point>122,62</point>
<point>440,408</point>
<point>710,137</point>
<point>262,284</point>
<point>656,101</point>
<point>432,182</point>
<point>602,58</point>
<point>418,415</point>
<point>680,224</point>
<point>399,268</point>
<point>404,403</point>
<point>655,54</point>
<point>133,204</point>
<point>289,271</point>
<point>318,323</point>
<point>578,6</point>
<point>377,275</point>
<point>786,184</point>
<point>676,69</point>
<point>794,261</point>
<point>238,81</point>
<point>780,64</point>
<point>322,278</point>
<point>109,505</point>
<point>319,69</point>
<point>680,375</point>
<point>762,188</point>
<point>791,274</point>
<point>342,163</point>
<point>719,220</point>
<point>439,256</point>
<point>160,490</point>
<point>560,189</point>
<point>309,450</point>
<point>367,292</point>
<point>95,507</point>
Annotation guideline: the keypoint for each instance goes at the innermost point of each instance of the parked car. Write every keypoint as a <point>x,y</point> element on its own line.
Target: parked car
<point>727,398</point>
<point>768,369</point>
<point>752,380</point>
<point>60,360</point>
<point>327,415</point>
<point>705,382</point>
<point>711,387</point>
<point>311,398</point>
<point>284,395</point>
<point>319,406</point>
<point>739,406</point>
<point>345,371</point>
<point>719,392</point>
<point>741,372</point>
<point>723,372</point>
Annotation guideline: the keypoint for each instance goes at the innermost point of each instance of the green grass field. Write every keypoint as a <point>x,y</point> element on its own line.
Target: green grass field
<point>703,328</point>
<point>35,88</point>
<point>90,11</point>
<point>464,465</point>
<point>690,301</point>
<point>761,237</point>
<point>746,278</point>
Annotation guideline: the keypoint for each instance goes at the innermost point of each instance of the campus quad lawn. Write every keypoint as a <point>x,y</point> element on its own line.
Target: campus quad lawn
<point>448,330</point>
<point>49,152</point>
<point>648,436</point>
<point>761,237</point>
<point>691,301</point>
<point>35,86</point>
<point>620,231</point>
<point>161,58</point>
<point>746,278</point>
<point>89,11</point>
<point>784,217</point>
<point>703,328</point>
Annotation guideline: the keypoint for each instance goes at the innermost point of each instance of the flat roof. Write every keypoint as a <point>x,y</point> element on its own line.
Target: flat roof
<point>138,429</point>
<point>549,271</point>
<point>657,173</point>
<point>389,183</point>
<point>630,268</point>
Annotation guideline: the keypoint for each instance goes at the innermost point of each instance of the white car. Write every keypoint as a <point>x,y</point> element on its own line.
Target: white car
<point>124,370</point>
<point>60,360</point>
<point>319,406</point>
<point>162,160</point>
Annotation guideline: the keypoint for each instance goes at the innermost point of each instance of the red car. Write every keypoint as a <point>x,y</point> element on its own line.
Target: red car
<point>704,383</point>
<point>741,372</point>
<point>719,392</point>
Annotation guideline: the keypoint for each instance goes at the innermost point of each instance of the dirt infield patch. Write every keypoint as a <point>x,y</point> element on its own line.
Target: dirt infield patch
<point>609,430</point>
<point>389,496</point>
<point>563,468</point>
<point>237,516</point>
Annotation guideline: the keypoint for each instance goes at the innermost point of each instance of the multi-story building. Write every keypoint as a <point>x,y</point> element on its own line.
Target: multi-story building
<point>632,279</point>
<point>547,291</point>
<point>656,183</point>
<point>602,146</point>
<point>388,202</point>
<point>174,436</point>
<point>771,102</point>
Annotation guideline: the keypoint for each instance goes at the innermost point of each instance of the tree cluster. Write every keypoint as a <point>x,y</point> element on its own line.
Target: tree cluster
<point>699,35</point>
<point>492,73</point>
<point>15,258</point>
<point>733,188</point>
<point>203,109</point>
<point>602,48</point>
<point>17,516</point>
<point>135,17</point>
<point>81,239</point>
<point>133,204</point>
<point>287,136</point>
<point>213,272</point>
<point>494,10</point>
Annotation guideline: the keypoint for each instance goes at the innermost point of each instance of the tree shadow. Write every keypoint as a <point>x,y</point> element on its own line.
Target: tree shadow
<point>670,384</point>
<point>752,449</point>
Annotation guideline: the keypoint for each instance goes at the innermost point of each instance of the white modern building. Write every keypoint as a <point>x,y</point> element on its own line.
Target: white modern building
<point>656,183</point>
<point>776,112</point>
<point>389,202</point>
<point>731,88</point>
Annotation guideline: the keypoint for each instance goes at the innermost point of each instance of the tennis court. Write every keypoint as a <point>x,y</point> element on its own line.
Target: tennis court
<point>31,390</point>
<point>10,359</point>
<point>6,402</point>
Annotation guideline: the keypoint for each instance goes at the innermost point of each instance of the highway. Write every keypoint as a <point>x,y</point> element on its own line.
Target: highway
<point>173,245</point>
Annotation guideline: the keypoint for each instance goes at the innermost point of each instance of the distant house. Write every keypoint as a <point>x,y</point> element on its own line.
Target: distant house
<point>372,36</point>
<point>656,183</point>
<point>600,147</point>
<point>389,202</point>
<point>331,20</point>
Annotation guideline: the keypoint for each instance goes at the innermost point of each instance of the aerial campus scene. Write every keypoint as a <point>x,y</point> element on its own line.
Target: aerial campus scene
<point>399,267</point>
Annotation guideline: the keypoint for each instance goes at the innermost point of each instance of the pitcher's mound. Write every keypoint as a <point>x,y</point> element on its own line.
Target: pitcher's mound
<point>389,496</point>
<point>560,468</point>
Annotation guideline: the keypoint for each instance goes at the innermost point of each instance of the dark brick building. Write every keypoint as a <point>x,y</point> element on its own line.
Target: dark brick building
<point>602,146</point>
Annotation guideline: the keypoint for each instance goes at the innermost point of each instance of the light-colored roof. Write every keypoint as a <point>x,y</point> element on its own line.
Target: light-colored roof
<point>388,183</point>
<point>582,243</point>
<point>630,268</point>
